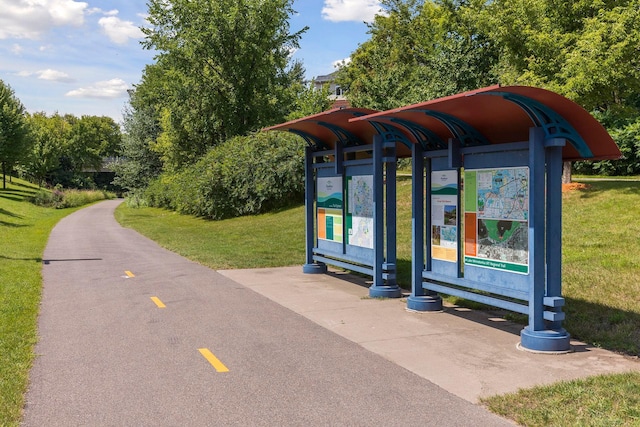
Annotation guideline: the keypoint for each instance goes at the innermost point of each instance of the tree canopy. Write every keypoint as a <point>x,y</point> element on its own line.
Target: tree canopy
<point>224,68</point>
<point>586,50</point>
<point>13,130</point>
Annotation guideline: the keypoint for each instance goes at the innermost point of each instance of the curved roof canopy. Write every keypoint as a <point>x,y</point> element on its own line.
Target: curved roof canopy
<point>492,115</point>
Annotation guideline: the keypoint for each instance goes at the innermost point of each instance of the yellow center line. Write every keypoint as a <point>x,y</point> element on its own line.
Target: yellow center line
<point>159,303</point>
<point>129,274</point>
<point>217,364</point>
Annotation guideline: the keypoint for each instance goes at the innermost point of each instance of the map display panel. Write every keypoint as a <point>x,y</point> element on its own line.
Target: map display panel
<point>497,219</point>
<point>360,211</point>
<point>329,205</point>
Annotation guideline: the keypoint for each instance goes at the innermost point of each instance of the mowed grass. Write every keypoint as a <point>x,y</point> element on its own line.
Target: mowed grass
<point>605,400</point>
<point>601,285</point>
<point>24,230</point>
<point>267,240</point>
<point>601,264</point>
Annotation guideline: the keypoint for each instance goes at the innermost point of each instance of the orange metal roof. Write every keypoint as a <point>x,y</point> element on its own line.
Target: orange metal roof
<point>319,125</point>
<point>494,115</point>
<point>499,114</point>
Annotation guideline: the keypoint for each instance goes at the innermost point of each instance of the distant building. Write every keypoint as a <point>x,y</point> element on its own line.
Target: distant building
<point>336,94</point>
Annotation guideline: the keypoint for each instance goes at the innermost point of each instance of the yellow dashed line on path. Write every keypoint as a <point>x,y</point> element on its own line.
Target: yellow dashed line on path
<point>129,274</point>
<point>159,303</point>
<point>217,364</point>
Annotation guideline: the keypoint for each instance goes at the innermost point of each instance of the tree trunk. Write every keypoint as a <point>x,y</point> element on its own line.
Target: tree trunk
<point>4,176</point>
<point>566,173</point>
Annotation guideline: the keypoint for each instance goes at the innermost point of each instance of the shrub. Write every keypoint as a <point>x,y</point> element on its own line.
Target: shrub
<point>60,199</point>
<point>243,176</point>
<point>628,139</point>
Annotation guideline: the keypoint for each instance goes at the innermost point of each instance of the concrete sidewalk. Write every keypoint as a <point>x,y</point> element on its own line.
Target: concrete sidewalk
<point>471,354</point>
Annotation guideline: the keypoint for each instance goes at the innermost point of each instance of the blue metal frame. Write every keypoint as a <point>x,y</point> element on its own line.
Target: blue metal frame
<point>466,134</point>
<point>537,293</point>
<point>379,262</point>
<point>552,123</point>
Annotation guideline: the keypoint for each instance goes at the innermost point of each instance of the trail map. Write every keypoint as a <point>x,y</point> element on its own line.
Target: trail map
<point>360,211</point>
<point>500,210</point>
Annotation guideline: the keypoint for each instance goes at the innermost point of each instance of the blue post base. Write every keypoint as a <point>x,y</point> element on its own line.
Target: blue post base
<point>424,303</point>
<point>548,341</point>
<point>314,268</point>
<point>385,291</point>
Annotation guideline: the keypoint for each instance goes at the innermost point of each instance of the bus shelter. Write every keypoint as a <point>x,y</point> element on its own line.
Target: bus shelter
<point>486,201</point>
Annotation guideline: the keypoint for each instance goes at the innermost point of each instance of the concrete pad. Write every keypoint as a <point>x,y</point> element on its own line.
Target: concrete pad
<point>472,354</point>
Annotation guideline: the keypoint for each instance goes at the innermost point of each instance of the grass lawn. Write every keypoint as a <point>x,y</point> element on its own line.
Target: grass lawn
<point>601,283</point>
<point>24,231</point>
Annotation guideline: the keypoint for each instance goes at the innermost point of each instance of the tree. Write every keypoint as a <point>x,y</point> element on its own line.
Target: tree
<point>92,138</point>
<point>49,135</point>
<point>421,50</point>
<point>585,50</point>
<point>310,100</point>
<point>224,68</point>
<point>140,164</point>
<point>13,131</point>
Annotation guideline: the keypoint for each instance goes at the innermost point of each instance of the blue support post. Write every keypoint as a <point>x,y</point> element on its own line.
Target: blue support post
<point>553,296</point>
<point>536,336</point>
<point>419,300</point>
<point>378,289</point>
<point>391,203</point>
<point>309,202</point>
<point>427,224</point>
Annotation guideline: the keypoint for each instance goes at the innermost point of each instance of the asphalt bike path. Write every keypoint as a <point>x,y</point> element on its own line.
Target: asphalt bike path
<point>134,335</point>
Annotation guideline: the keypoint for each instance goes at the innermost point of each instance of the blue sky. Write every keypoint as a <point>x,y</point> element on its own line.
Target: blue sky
<point>80,57</point>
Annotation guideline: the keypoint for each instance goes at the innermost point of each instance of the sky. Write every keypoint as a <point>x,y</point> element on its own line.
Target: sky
<point>80,57</point>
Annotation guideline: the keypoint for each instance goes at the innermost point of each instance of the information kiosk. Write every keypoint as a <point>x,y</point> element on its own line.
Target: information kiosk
<point>350,196</point>
<point>487,194</point>
<point>486,198</point>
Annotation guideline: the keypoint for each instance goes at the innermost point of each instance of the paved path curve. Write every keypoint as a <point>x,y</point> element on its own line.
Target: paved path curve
<point>108,355</point>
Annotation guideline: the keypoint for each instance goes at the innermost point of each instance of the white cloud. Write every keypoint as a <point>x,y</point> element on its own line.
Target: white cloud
<point>54,75</point>
<point>114,88</point>
<point>119,31</point>
<point>29,19</point>
<point>94,10</point>
<point>351,10</point>
<point>48,74</point>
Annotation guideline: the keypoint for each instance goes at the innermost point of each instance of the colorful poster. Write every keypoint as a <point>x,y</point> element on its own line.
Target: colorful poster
<point>497,219</point>
<point>360,211</point>
<point>329,205</point>
<point>444,215</point>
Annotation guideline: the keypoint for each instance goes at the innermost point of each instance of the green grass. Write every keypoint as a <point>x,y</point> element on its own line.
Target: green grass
<point>268,240</point>
<point>24,230</point>
<point>601,265</point>
<point>605,400</point>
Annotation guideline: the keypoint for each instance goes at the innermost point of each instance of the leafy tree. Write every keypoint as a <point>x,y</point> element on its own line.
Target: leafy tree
<point>585,50</point>
<point>421,50</point>
<point>91,139</point>
<point>224,68</point>
<point>140,163</point>
<point>49,135</point>
<point>13,130</point>
<point>310,100</point>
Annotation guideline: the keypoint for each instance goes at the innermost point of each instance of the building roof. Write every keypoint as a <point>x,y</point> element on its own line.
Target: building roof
<point>491,115</point>
<point>326,78</point>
